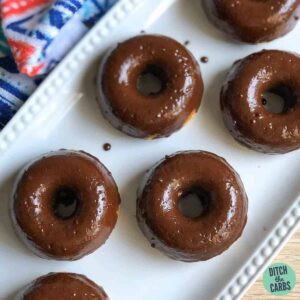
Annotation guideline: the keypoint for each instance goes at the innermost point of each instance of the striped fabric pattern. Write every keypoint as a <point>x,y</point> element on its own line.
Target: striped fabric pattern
<point>33,40</point>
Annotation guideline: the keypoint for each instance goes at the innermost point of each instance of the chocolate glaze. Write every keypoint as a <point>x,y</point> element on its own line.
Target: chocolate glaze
<point>242,101</point>
<point>253,21</point>
<point>107,146</point>
<point>32,205</point>
<point>204,59</point>
<point>62,286</point>
<point>156,115</point>
<point>192,239</point>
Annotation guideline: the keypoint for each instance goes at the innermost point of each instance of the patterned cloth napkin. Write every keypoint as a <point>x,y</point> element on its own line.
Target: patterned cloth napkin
<point>34,36</point>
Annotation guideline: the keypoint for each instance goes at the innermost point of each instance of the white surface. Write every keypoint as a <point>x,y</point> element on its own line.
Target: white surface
<point>63,113</point>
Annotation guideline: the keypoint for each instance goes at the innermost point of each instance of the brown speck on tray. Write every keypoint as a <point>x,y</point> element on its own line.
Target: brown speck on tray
<point>204,59</point>
<point>107,147</point>
<point>296,18</point>
<point>265,229</point>
<point>186,43</point>
<point>142,31</point>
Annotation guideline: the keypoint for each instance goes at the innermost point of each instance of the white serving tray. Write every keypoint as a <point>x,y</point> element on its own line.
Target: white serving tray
<point>63,113</point>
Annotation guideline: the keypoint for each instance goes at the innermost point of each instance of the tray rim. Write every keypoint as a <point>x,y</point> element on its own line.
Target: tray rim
<point>267,249</point>
<point>264,254</point>
<point>55,80</point>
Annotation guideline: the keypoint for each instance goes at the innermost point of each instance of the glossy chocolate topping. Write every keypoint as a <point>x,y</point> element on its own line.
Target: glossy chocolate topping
<point>107,146</point>
<point>243,107</point>
<point>157,114</point>
<point>65,176</point>
<point>62,286</point>
<point>181,237</point>
<point>253,21</point>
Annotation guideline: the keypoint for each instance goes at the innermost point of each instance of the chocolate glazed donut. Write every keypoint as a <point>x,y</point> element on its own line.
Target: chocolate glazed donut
<point>253,21</point>
<point>157,114</point>
<point>242,105</point>
<point>223,198</point>
<point>62,286</point>
<point>65,205</point>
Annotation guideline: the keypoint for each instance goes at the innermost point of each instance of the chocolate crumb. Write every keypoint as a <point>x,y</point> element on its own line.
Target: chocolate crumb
<point>142,31</point>
<point>296,18</point>
<point>186,43</point>
<point>204,59</point>
<point>107,147</point>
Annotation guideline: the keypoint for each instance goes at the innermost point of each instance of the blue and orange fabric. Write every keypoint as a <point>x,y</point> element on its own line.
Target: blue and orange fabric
<point>33,40</point>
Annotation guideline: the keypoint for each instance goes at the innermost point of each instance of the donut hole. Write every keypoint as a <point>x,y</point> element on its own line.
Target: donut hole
<point>66,202</point>
<point>194,203</point>
<point>279,99</point>
<point>152,81</point>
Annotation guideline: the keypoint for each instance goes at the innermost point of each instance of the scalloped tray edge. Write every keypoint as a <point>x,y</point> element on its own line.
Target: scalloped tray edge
<point>278,237</point>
